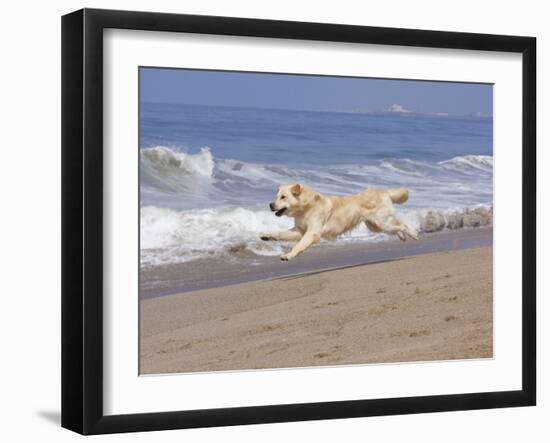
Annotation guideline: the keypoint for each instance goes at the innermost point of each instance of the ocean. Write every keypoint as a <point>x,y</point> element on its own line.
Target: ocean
<point>207,174</point>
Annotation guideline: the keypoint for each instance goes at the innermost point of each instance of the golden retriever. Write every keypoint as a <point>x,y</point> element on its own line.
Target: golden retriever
<point>319,216</point>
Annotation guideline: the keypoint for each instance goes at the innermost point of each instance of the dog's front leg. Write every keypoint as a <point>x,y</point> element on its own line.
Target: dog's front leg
<point>291,235</point>
<point>309,238</point>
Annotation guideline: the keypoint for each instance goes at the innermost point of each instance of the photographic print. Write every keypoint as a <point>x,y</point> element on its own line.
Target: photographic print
<point>294,221</point>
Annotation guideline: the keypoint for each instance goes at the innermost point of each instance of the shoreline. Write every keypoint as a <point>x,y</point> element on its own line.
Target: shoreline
<point>236,269</point>
<point>432,307</point>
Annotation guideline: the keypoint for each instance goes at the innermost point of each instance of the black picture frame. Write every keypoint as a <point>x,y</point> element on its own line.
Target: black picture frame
<point>82,220</point>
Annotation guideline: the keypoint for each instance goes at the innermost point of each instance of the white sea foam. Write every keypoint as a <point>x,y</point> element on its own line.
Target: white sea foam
<point>196,205</point>
<point>169,236</point>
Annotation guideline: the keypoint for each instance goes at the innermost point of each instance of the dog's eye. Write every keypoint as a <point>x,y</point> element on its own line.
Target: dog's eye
<point>283,197</point>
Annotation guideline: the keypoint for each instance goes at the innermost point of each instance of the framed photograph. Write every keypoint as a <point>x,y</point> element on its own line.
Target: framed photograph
<point>268,221</point>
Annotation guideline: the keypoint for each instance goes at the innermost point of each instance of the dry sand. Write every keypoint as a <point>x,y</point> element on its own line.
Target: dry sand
<point>436,306</point>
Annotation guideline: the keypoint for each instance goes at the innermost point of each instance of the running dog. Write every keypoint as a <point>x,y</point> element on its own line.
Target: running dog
<point>319,216</point>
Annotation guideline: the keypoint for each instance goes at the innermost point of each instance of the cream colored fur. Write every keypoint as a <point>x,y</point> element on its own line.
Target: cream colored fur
<point>319,216</point>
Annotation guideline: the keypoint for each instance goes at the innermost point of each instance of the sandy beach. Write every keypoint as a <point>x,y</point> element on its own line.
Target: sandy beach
<point>434,306</point>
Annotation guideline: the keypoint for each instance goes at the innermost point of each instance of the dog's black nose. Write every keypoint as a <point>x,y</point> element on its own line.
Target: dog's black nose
<point>272,206</point>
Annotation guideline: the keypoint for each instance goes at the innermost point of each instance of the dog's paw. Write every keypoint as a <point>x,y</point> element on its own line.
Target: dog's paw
<point>286,257</point>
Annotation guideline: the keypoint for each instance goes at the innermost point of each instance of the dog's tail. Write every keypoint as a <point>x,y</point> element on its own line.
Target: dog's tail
<point>398,195</point>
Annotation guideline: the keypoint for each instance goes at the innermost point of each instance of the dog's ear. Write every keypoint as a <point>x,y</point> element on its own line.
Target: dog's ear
<point>296,190</point>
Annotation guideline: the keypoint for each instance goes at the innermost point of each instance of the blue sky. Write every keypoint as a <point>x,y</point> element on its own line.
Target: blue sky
<point>314,93</point>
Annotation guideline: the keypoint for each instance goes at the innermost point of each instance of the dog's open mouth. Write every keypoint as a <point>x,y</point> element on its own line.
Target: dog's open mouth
<point>280,212</point>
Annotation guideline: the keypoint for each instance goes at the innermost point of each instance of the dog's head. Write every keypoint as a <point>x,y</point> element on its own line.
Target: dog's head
<point>287,201</point>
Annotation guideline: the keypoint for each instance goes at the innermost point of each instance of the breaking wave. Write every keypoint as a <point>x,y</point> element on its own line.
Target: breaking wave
<point>161,160</point>
<point>470,163</point>
<point>196,205</point>
<point>170,236</point>
<point>200,178</point>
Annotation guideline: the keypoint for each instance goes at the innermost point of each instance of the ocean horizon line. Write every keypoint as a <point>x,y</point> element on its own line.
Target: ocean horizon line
<point>408,113</point>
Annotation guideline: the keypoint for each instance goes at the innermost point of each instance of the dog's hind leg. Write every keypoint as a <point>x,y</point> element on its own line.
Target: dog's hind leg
<point>290,235</point>
<point>372,226</point>
<point>410,231</point>
<point>392,225</point>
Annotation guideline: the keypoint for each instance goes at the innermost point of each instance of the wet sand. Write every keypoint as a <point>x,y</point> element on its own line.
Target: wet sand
<point>435,306</point>
<point>241,267</point>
